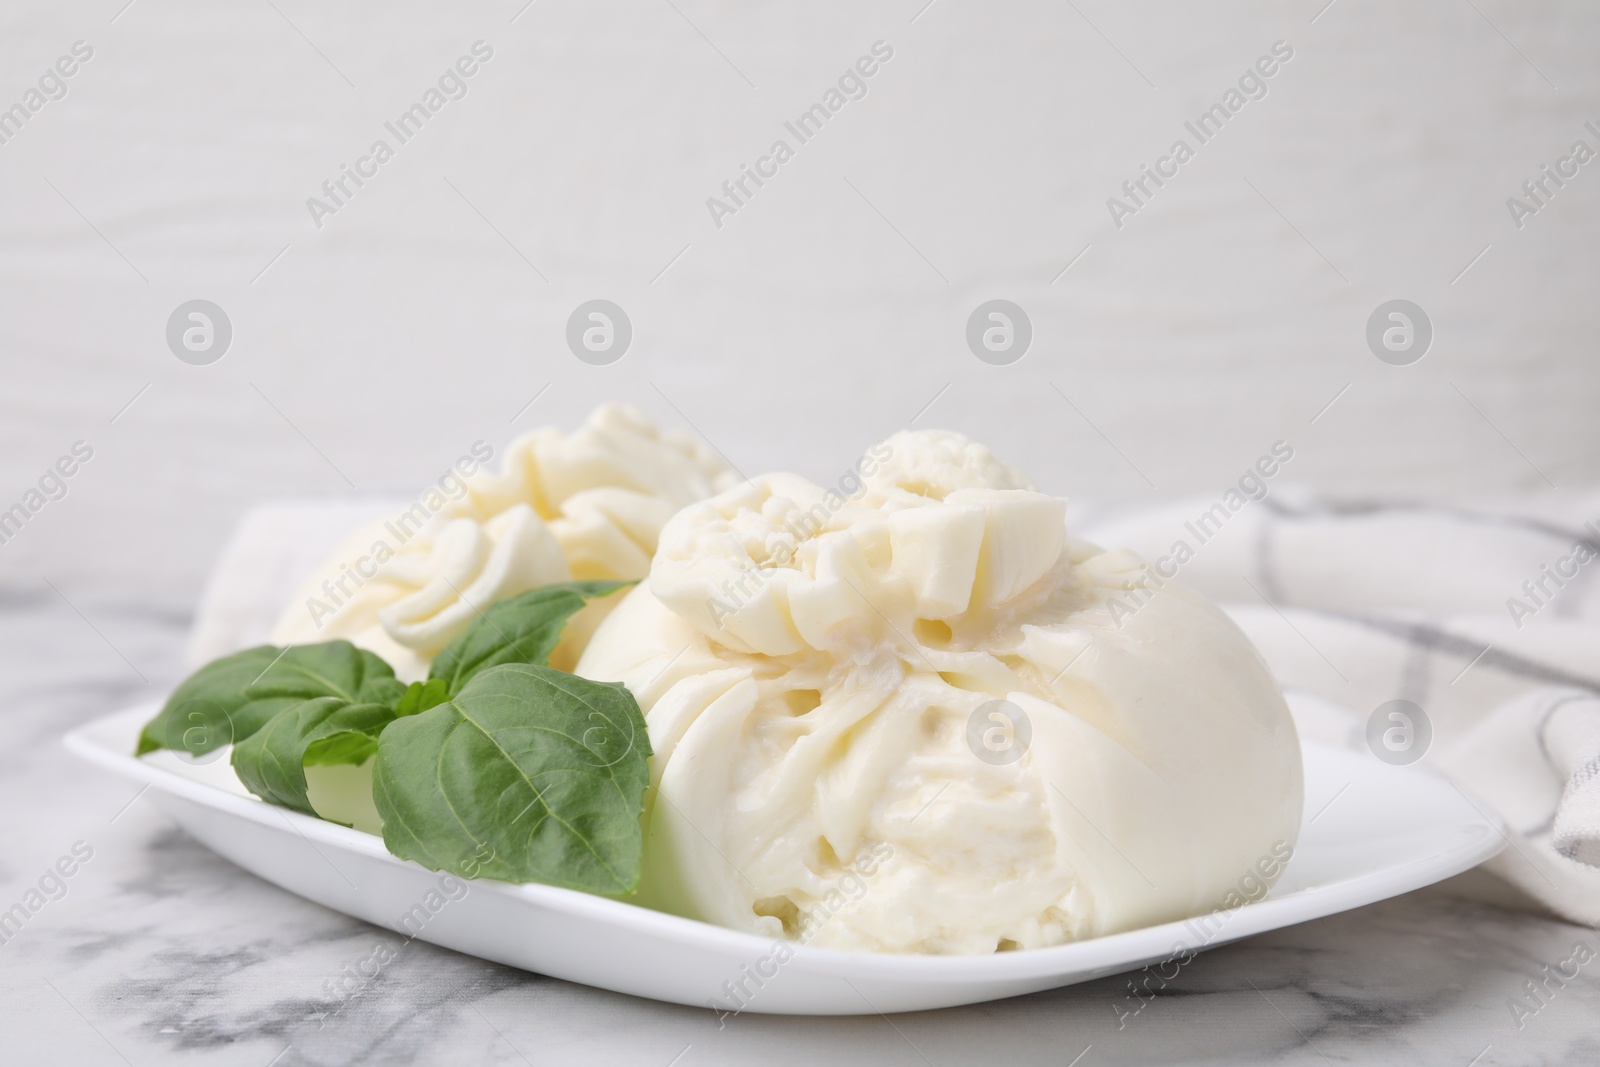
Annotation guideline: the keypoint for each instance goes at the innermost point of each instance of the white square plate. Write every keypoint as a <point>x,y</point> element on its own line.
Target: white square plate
<point>1373,831</point>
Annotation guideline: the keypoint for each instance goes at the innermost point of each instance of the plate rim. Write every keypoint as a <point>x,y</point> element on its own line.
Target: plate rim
<point>923,969</point>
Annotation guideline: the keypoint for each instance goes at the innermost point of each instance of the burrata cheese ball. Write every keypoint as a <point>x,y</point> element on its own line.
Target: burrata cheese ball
<point>911,713</point>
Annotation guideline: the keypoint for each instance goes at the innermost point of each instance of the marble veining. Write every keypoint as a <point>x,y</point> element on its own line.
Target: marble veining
<point>161,952</point>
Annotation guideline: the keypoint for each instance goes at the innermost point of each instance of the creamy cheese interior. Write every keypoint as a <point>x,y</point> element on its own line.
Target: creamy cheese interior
<point>902,715</point>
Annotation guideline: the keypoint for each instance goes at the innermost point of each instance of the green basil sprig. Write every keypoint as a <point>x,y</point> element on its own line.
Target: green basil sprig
<point>496,754</point>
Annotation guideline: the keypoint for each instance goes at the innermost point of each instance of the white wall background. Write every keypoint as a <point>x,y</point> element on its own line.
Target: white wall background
<point>1210,325</point>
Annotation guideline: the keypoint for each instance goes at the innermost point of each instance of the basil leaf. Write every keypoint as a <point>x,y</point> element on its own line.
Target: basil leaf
<point>542,771</point>
<point>231,698</point>
<point>523,629</point>
<point>381,689</point>
<point>324,730</point>
<point>420,696</point>
<point>330,669</point>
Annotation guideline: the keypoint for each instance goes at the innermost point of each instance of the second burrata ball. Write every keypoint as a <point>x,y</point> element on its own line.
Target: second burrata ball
<point>909,713</point>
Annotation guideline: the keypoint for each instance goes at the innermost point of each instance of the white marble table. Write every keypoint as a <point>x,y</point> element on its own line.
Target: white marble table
<point>161,953</point>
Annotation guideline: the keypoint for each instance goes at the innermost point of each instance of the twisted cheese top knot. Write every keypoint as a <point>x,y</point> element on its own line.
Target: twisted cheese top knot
<point>589,505</point>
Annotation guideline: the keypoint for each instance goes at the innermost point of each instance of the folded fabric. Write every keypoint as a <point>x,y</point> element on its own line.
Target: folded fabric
<point>1485,617</point>
<point>273,549</point>
<point>1570,731</point>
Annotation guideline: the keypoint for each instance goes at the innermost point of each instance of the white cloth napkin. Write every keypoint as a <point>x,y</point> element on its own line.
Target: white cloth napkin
<point>1357,604</point>
<point>275,547</point>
